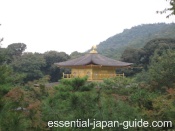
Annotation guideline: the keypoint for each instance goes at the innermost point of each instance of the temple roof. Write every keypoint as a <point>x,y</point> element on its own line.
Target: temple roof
<point>93,59</point>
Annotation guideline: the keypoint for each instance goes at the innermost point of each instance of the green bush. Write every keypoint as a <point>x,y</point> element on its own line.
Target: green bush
<point>162,70</point>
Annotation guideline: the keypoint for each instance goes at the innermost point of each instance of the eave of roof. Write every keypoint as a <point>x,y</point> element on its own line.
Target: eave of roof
<point>95,59</point>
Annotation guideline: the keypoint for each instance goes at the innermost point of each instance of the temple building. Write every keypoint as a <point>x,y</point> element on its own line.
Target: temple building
<point>93,65</point>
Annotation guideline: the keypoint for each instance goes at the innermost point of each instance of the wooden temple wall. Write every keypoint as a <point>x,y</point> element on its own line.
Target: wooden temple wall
<point>93,73</point>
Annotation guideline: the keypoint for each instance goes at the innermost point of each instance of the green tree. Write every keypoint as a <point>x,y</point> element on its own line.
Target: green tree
<point>160,45</point>
<point>3,55</point>
<point>142,56</point>
<point>162,69</point>
<point>75,54</point>
<point>1,39</point>
<point>131,55</point>
<point>2,52</point>
<point>170,9</point>
<point>15,50</point>
<point>78,99</point>
<point>30,65</point>
<point>52,57</point>
<point>136,37</point>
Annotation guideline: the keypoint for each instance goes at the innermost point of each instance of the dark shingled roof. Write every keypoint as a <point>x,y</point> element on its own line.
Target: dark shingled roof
<point>93,58</point>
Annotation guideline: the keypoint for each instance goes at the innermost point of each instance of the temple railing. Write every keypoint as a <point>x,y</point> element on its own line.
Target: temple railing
<point>93,76</point>
<point>68,75</point>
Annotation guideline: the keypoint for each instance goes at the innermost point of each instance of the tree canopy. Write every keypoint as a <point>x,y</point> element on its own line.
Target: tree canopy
<point>136,37</point>
<point>142,56</point>
<point>30,65</point>
<point>52,57</point>
<point>170,9</point>
<point>162,69</point>
<point>16,49</point>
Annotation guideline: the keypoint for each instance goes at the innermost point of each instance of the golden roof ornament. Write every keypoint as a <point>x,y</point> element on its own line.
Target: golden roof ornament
<point>93,49</point>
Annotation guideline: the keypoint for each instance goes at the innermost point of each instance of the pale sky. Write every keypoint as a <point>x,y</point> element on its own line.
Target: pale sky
<point>73,25</point>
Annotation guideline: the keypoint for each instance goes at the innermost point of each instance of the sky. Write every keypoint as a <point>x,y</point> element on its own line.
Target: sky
<point>73,25</point>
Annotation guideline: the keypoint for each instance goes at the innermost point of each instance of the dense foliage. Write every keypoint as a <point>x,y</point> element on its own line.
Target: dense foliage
<point>118,99</point>
<point>142,56</point>
<point>28,102</point>
<point>32,66</point>
<point>52,57</point>
<point>136,37</point>
<point>169,10</point>
<point>162,70</point>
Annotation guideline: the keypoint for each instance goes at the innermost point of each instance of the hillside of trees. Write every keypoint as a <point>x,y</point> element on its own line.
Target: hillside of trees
<point>31,66</point>
<point>136,37</point>
<point>142,101</point>
<point>147,94</point>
